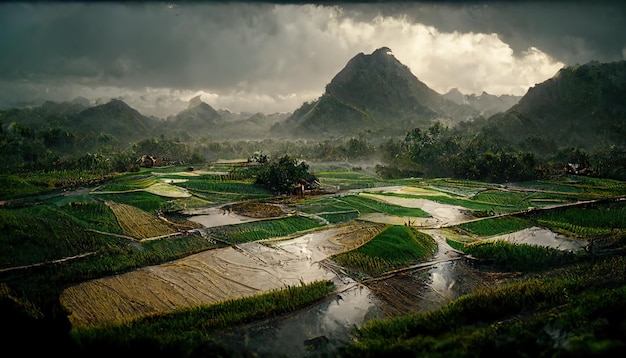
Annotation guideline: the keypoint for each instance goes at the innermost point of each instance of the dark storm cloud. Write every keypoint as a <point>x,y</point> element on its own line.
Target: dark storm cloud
<point>267,52</point>
<point>570,31</point>
<point>144,44</point>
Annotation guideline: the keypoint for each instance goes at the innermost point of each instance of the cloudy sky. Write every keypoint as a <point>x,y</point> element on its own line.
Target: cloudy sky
<point>273,56</point>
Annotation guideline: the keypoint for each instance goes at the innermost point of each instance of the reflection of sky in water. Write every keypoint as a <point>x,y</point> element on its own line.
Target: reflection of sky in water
<point>316,331</point>
<point>218,217</point>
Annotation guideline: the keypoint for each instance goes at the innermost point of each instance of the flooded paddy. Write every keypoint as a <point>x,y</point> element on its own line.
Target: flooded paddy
<point>543,237</point>
<point>256,267</point>
<point>217,216</point>
<point>211,276</point>
<point>315,331</point>
<point>441,214</point>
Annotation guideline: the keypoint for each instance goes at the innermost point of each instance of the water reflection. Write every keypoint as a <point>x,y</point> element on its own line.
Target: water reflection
<point>216,216</point>
<point>312,332</point>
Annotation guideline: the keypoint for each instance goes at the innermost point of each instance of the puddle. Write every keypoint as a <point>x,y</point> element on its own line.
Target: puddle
<point>214,216</point>
<point>383,218</point>
<point>174,181</point>
<point>317,331</point>
<point>446,214</point>
<point>543,237</point>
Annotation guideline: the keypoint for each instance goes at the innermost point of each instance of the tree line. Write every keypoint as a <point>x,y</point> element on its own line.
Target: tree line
<point>436,151</point>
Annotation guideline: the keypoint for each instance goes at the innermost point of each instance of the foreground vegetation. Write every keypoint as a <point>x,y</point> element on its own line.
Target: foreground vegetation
<point>187,332</point>
<point>571,312</point>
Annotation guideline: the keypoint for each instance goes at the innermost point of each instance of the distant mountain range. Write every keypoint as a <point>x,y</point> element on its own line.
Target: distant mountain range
<point>583,105</point>
<point>486,104</point>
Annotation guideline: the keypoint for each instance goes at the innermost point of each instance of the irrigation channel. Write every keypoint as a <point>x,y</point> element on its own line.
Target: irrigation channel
<point>255,267</point>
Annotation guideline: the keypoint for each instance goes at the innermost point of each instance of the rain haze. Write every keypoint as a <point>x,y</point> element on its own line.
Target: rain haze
<point>273,56</point>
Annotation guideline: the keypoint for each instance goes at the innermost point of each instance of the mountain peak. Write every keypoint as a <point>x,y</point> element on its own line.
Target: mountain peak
<point>116,103</point>
<point>376,91</point>
<point>382,51</point>
<point>195,101</point>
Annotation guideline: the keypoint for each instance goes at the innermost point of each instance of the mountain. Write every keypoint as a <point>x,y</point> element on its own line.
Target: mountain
<point>581,106</point>
<point>112,121</point>
<point>256,126</point>
<point>198,120</point>
<point>373,92</point>
<point>115,118</point>
<point>486,104</point>
<point>45,116</point>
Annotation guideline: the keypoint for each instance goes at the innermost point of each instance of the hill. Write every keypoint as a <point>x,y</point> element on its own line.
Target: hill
<point>114,118</point>
<point>373,92</point>
<point>200,120</point>
<point>486,104</point>
<point>197,120</point>
<point>582,106</point>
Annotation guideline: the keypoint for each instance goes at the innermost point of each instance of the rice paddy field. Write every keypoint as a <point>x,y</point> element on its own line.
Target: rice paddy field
<point>107,252</point>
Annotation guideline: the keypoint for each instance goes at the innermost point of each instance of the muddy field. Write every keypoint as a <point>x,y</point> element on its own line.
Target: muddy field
<point>256,267</point>
<point>212,276</point>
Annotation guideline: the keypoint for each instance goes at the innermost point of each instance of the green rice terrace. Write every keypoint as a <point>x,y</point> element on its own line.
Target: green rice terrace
<point>187,261</point>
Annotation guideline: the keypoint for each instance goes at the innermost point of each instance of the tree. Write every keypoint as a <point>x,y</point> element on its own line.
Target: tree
<point>282,175</point>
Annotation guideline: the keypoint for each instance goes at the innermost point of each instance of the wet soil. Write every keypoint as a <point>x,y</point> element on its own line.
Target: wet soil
<point>212,276</point>
<point>256,267</point>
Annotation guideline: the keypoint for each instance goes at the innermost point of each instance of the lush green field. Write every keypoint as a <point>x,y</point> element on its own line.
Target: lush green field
<point>395,247</point>
<point>587,222</point>
<point>42,233</point>
<point>140,199</point>
<point>348,180</point>
<point>349,207</point>
<point>324,205</point>
<point>367,205</point>
<point>219,191</point>
<point>495,226</point>
<point>262,230</point>
<point>133,181</point>
<point>505,256</point>
<point>32,183</point>
<point>61,224</point>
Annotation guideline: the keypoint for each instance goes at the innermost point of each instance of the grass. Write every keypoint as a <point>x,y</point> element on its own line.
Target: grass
<point>137,223</point>
<point>133,181</point>
<point>142,200</point>
<point>324,205</point>
<point>220,191</point>
<point>505,256</point>
<point>586,222</point>
<point>348,180</point>
<point>262,230</point>
<point>42,233</point>
<point>33,183</point>
<point>395,247</point>
<point>495,226</point>
<point>340,217</point>
<point>187,332</point>
<point>367,205</point>
<point>93,215</point>
<point>578,312</point>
